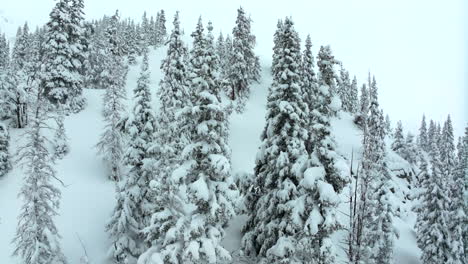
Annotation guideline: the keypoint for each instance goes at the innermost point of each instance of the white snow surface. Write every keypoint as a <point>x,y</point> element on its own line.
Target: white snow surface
<point>88,197</point>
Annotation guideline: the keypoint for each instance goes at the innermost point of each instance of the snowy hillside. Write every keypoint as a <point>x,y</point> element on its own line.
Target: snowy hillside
<point>88,195</point>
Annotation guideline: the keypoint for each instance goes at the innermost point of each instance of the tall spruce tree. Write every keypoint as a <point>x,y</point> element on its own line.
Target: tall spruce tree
<point>422,137</point>
<point>37,238</point>
<point>161,32</point>
<point>463,174</point>
<point>209,191</point>
<point>5,162</point>
<point>353,96</point>
<point>111,143</point>
<point>245,67</point>
<point>167,229</point>
<point>363,111</point>
<point>323,109</point>
<point>58,75</point>
<point>388,125</point>
<point>309,87</point>
<point>398,144</point>
<point>431,134</point>
<point>77,43</point>
<point>61,147</point>
<point>344,90</point>
<point>374,234</point>
<point>455,188</point>
<point>326,74</point>
<point>433,218</point>
<point>275,228</point>
<point>4,52</point>
<point>134,206</point>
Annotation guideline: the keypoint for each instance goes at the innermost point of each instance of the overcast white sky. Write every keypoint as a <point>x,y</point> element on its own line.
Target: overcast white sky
<point>417,49</point>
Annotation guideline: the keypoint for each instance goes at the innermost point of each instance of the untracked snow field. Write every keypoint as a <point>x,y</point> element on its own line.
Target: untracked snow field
<point>88,195</point>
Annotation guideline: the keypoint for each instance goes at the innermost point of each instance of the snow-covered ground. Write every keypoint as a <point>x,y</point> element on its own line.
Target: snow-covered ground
<point>88,197</point>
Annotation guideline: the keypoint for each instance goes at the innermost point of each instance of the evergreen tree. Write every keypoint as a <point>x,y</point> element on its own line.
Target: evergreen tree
<point>166,230</point>
<point>5,164</point>
<point>144,32</point>
<point>374,243</point>
<point>388,125</point>
<point>433,217</point>
<point>422,138</point>
<point>463,174</point>
<point>37,238</point>
<point>323,109</point>
<point>398,144</point>
<point>161,28</point>
<point>4,52</point>
<point>353,96</point>
<point>245,67</point>
<point>111,142</point>
<point>58,75</point>
<point>210,194</point>
<point>17,77</point>
<point>275,228</point>
<point>431,134</point>
<point>363,107</point>
<point>98,56</point>
<point>134,206</point>
<point>309,87</point>
<point>327,77</point>
<point>455,188</point>
<point>77,44</point>
<point>277,44</point>
<point>61,147</point>
<point>344,90</point>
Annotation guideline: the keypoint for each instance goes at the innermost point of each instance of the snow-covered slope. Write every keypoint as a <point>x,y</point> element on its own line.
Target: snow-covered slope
<point>88,197</point>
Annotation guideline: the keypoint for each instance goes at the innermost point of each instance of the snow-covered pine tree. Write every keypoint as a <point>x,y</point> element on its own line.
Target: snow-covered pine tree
<point>97,58</point>
<point>161,28</point>
<point>223,56</point>
<point>455,188</point>
<point>210,194</point>
<point>167,229</point>
<point>4,52</point>
<point>438,135</point>
<point>324,107</point>
<point>58,74</point>
<point>327,78</point>
<point>111,143</point>
<point>134,205</point>
<point>309,87</point>
<point>276,46</point>
<point>77,43</point>
<point>431,134</point>
<point>61,147</point>
<point>144,32</point>
<point>353,96</point>
<point>398,144</point>
<point>463,171</point>
<point>388,125</point>
<point>156,29</point>
<point>344,88</point>
<point>5,163</point>
<point>433,217</point>
<point>363,110</point>
<point>19,53</point>
<point>17,77</point>
<point>245,67</point>
<point>275,229</point>
<point>422,137</point>
<point>374,243</point>
<point>37,238</point>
